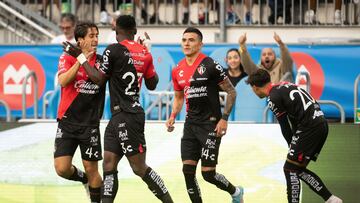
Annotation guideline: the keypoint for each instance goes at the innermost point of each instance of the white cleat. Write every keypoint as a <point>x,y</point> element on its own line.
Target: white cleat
<point>334,199</point>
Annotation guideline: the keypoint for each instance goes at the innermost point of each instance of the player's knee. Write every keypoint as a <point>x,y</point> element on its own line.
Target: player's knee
<point>288,166</point>
<point>139,169</point>
<point>91,169</point>
<point>209,176</point>
<point>189,169</point>
<point>63,170</point>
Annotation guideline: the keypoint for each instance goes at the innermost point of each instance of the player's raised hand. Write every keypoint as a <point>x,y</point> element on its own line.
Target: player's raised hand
<point>277,38</point>
<point>170,124</point>
<point>242,39</point>
<point>71,49</point>
<point>221,128</point>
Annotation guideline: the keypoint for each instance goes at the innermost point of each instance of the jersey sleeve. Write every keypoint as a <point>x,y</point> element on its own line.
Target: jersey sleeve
<point>177,86</point>
<point>107,56</point>
<point>65,63</point>
<point>217,71</point>
<point>276,104</point>
<point>150,71</point>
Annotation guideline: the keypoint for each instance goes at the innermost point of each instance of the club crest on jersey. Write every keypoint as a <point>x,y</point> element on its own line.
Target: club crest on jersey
<point>201,70</point>
<point>181,73</point>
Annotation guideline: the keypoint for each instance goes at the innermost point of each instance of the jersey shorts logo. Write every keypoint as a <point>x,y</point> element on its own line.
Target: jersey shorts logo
<point>14,67</point>
<point>309,64</point>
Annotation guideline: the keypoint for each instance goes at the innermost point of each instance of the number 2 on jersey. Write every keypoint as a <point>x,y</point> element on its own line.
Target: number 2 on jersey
<point>132,77</point>
<point>302,95</point>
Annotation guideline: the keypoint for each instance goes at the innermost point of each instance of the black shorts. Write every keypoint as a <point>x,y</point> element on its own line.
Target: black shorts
<point>69,137</point>
<point>124,135</point>
<point>199,141</point>
<point>306,145</point>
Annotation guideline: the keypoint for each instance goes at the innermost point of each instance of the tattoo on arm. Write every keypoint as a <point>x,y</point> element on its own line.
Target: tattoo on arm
<point>231,95</point>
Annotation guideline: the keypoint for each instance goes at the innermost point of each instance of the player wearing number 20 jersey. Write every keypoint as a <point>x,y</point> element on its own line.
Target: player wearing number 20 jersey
<point>303,126</point>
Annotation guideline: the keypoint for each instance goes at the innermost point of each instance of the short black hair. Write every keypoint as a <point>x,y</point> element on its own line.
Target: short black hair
<point>259,78</point>
<point>81,29</point>
<point>68,17</point>
<point>126,22</point>
<point>194,30</point>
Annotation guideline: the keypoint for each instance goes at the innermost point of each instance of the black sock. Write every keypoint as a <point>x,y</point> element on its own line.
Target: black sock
<point>78,175</point>
<point>95,194</point>
<point>192,185</point>
<point>219,180</point>
<point>315,183</point>
<point>293,186</point>
<point>110,187</point>
<point>156,185</point>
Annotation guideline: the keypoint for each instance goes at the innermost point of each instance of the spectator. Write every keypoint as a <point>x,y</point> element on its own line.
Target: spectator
<point>310,15</point>
<point>277,68</point>
<point>233,18</point>
<point>280,16</point>
<point>67,26</point>
<point>105,18</point>
<point>235,70</point>
<point>64,6</point>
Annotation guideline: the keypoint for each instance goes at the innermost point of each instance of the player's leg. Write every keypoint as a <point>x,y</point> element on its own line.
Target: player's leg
<point>150,177</point>
<point>90,147</point>
<point>111,182</point>
<point>65,147</point>
<point>112,155</point>
<point>134,147</point>
<point>305,146</point>
<point>190,154</point>
<point>209,156</point>
<point>65,169</point>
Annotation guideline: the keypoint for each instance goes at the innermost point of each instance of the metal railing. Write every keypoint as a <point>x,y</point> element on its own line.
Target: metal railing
<point>214,12</point>
<point>7,109</point>
<point>46,102</point>
<point>29,75</point>
<point>337,105</point>
<point>356,94</point>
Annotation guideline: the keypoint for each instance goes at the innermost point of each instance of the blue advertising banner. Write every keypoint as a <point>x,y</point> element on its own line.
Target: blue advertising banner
<point>332,69</point>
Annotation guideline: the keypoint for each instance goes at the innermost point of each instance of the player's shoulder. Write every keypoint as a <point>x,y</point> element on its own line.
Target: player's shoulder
<point>66,57</point>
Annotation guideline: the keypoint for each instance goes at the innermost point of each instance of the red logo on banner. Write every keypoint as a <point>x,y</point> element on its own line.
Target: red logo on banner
<point>13,69</point>
<point>307,63</point>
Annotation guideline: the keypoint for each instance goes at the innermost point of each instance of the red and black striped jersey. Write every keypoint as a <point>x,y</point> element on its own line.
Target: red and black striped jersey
<point>82,101</point>
<point>200,83</point>
<point>118,66</point>
<point>143,60</point>
<point>298,105</point>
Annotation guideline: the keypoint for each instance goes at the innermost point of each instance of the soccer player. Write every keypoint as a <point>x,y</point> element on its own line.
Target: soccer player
<point>198,78</point>
<point>79,114</point>
<point>304,128</point>
<point>276,67</point>
<point>124,134</point>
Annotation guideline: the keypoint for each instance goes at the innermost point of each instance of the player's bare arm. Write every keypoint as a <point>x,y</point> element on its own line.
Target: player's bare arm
<point>221,126</point>
<point>95,75</point>
<point>152,82</point>
<point>177,105</point>
<point>69,76</point>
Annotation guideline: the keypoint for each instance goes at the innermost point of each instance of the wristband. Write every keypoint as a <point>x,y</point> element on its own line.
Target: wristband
<point>225,117</point>
<point>173,115</point>
<point>81,58</point>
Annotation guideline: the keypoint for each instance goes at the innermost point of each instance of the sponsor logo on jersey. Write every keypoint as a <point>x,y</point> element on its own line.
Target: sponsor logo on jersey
<point>86,87</point>
<point>14,67</point>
